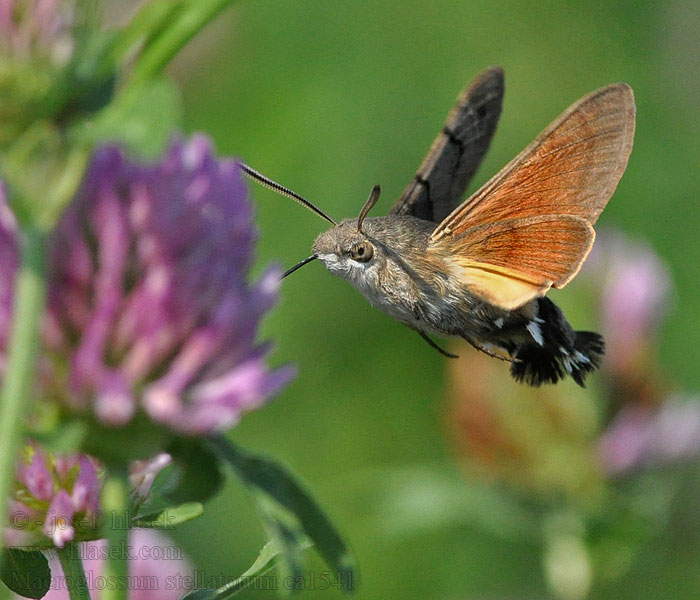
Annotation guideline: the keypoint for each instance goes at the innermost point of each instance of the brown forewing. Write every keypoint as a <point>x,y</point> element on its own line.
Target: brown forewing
<point>456,152</point>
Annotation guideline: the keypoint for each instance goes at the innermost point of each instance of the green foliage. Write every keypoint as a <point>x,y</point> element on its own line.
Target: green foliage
<point>171,517</point>
<point>117,447</point>
<point>270,555</point>
<point>180,489</point>
<point>289,512</point>
<point>142,124</point>
<point>196,474</point>
<point>56,168</point>
<point>25,572</point>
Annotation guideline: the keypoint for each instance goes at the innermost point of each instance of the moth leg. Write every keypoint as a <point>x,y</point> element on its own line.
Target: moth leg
<point>432,344</point>
<point>490,352</point>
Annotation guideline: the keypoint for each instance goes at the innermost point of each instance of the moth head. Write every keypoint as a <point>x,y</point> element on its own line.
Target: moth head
<point>347,249</point>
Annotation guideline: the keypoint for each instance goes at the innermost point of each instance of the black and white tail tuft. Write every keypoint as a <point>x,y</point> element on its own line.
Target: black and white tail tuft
<point>557,350</point>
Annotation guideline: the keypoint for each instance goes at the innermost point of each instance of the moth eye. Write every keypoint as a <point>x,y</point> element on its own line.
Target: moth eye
<point>362,251</point>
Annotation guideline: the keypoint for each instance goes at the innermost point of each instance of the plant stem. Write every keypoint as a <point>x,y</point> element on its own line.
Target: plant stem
<point>15,396</point>
<point>64,187</point>
<point>148,21</point>
<point>115,504</point>
<point>192,17</point>
<point>72,565</point>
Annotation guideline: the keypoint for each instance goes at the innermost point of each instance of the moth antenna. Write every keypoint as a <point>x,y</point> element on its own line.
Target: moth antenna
<point>371,201</point>
<point>299,265</point>
<point>280,189</point>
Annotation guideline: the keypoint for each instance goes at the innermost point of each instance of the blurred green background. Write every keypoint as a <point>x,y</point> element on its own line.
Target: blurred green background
<point>330,98</point>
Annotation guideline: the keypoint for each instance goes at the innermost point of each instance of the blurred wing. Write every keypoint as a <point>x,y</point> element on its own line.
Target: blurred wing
<point>530,227</point>
<point>456,152</point>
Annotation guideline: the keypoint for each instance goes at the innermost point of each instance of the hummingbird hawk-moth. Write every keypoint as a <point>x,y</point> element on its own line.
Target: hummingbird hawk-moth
<point>480,269</point>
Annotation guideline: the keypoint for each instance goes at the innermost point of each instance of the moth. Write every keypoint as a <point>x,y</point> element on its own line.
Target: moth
<point>480,269</point>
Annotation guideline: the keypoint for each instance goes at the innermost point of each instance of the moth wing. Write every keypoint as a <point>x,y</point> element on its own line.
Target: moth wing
<point>456,152</point>
<point>531,226</point>
<point>513,261</point>
<point>572,167</point>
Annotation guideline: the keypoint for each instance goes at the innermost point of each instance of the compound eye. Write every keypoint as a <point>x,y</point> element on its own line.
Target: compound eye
<point>362,251</point>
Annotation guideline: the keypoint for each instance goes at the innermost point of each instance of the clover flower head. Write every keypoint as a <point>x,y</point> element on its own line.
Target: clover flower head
<point>634,290</point>
<point>149,303</point>
<point>640,436</point>
<point>54,498</point>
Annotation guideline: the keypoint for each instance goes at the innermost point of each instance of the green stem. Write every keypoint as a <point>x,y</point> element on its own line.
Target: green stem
<point>193,16</point>
<point>148,21</point>
<point>64,187</point>
<point>115,503</point>
<point>72,565</point>
<point>15,396</point>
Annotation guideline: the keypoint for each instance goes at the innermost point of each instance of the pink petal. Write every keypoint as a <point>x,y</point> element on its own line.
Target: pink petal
<point>59,519</point>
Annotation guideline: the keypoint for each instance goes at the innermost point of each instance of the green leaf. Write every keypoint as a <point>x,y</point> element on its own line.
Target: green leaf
<point>193,477</point>
<point>116,447</point>
<point>196,475</point>
<point>171,517</point>
<point>25,572</point>
<point>285,533</point>
<point>90,79</point>
<point>142,123</point>
<point>203,594</point>
<point>270,555</point>
<point>289,506</point>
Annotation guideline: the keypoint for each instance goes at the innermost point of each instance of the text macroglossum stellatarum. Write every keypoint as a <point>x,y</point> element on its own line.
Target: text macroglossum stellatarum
<point>480,270</point>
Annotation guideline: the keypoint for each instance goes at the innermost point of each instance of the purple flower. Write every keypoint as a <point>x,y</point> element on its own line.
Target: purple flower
<point>38,479</point>
<point>635,289</point>
<point>54,498</point>
<point>152,558</point>
<point>149,304</point>
<point>58,526</point>
<point>86,489</point>
<point>640,436</point>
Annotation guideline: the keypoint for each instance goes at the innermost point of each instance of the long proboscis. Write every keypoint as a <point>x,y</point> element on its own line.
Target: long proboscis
<point>299,265</point>
<point>280,189</point>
